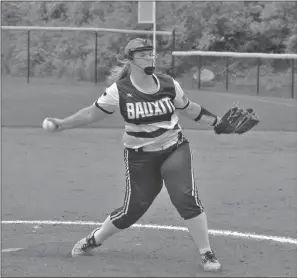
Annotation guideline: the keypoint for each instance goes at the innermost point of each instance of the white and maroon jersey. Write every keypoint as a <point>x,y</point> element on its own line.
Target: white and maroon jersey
<point>150,119</point>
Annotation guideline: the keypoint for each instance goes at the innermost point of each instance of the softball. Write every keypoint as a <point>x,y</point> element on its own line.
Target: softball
<point>48,125</point>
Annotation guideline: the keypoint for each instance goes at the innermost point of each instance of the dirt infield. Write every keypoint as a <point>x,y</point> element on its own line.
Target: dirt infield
<point>247,184</point>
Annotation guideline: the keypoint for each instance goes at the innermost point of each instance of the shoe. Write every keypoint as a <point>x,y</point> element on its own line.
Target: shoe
<point>210,261</point>
<point>85,246</point>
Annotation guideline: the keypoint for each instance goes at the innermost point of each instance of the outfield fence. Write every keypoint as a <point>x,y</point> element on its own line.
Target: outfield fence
<point>95,31</point>
<point>260,73</point>
<point>249,73</point>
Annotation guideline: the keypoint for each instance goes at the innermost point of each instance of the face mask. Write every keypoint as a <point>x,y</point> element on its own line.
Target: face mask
<point>147,70</point>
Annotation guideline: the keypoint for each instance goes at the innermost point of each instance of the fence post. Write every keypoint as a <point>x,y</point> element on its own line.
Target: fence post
<point>173,57</point>
<point>258,75</point>
<point>227,73</point>
<point>28,58</point>
<point>199,72</point>
<point>293,73</point>
<point>96,56</point>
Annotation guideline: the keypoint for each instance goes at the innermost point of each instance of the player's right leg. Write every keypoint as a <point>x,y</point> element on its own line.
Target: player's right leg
<point>178,174</point>
<point>143,184</point>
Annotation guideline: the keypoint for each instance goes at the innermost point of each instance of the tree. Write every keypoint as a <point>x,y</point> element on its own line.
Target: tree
<point>269,27</point>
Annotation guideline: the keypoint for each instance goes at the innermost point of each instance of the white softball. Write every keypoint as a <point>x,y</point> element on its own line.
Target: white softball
<point>48,125</point>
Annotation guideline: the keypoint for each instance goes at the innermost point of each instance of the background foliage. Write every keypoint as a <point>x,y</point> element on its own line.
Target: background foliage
<point>269,27</point>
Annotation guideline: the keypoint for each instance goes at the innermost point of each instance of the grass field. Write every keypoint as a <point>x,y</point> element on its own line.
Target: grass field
<point>26,105</point>
<point>248,184</point>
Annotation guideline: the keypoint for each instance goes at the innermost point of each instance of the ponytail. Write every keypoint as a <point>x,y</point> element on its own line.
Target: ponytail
<point>118,73</point>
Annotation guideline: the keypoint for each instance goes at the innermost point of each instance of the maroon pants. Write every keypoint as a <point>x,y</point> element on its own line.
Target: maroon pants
<point>145,173</point>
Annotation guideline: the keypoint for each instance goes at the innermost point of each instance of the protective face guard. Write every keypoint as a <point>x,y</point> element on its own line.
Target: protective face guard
<point>138,49</point>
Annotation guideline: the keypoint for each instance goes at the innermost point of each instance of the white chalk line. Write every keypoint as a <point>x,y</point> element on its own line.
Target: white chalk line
<point>161,227</point>
<point>7,250</point>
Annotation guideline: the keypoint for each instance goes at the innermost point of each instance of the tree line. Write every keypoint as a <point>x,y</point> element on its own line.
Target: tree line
<point>268,27</point>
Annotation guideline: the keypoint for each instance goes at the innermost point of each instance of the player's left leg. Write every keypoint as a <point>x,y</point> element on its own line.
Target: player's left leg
<point>177,172</point>
<point>143,184</point>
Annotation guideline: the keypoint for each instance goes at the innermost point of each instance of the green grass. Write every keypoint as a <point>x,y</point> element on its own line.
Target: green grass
<point>26,105</point>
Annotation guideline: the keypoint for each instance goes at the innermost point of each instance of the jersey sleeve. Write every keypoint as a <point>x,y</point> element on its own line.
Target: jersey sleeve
<point>181,100</point>
<point>109,100</point>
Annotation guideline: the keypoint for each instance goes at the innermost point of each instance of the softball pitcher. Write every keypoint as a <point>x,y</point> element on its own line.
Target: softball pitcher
<point>156,150</point>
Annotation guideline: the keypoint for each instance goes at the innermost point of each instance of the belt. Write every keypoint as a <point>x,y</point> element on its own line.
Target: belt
<point>154,149</point>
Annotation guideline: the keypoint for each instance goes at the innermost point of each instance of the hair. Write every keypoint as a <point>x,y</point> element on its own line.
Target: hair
<point>119,72</point>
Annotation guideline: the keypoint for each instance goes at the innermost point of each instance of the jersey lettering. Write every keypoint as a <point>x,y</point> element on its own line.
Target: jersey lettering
<point>169,104</point>
<point>147,109</point>
<point>130,111</point>
<point>139,110</point>
<point>157,108</point>
<point>163,106</point>
<point>151,112</point>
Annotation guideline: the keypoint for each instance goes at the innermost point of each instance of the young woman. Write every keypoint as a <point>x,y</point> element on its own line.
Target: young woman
<point>155,148</point>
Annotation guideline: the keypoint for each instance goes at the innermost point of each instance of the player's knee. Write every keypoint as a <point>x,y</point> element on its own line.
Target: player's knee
<point>134,213</point>
<point>191,214</point>
<point>123,222</point>
<point>188,206</point>
<point>139,208</point>
<point>189,211</point>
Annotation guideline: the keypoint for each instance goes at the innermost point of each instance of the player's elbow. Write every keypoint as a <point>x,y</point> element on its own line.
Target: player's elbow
<point>95,114</point>
<point>191,111</point>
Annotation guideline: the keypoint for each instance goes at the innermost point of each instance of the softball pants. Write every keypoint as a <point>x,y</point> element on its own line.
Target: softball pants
<point>145,173</point>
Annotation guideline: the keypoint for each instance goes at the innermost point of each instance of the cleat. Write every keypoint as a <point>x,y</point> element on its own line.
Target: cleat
<point>85,246</point>
<point>210,261</point>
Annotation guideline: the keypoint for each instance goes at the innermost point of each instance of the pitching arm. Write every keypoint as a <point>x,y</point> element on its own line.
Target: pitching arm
<point>105,105</point>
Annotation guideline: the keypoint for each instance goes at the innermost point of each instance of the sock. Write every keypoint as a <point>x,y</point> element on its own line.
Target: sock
<point>198,229</point>
<point>204,250</point>
<point>106,231</point>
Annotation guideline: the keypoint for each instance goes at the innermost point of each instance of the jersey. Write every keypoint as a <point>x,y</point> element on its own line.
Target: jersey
<point>150,118</point>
